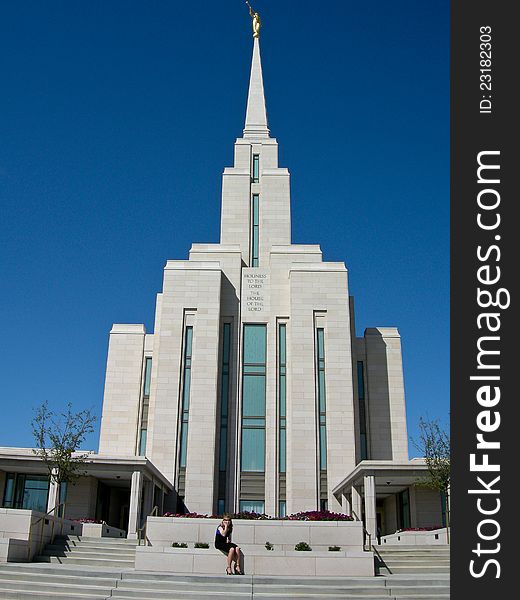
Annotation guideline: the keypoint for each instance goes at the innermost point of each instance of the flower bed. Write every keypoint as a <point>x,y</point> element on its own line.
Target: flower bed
<point>95,521</point>
<point>435,527</point>
<point>319,515</point>
<point>310,515</point>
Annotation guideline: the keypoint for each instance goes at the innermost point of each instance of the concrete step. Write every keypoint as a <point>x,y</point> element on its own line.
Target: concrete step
<point>413,592</point>
<point>88,552</point>
<point>418,562</point>
<point>424,547</point>
<point>6,576</point>
<point>174,585</point>
<point>412,553</point>
<point>343,597</point>
<point>102,540</point>
<point>296,591</point>
<point>51,587</point>
<point>193,594</point>
<point>46,581</point>
<point>411,570</point>
<point>92,545</point>
<point>66,594</point>
<point>42,569</point>
<point>86,561</point>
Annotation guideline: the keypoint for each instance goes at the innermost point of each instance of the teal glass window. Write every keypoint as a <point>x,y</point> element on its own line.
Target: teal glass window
<point>8,500</point>
<point>254,395</point>
<point>443,507</point>
<point>363,442</point>
<point>282,509</point>
<point>142,442</point>
<point>403,509</point>
<point>186,385</point>
<point>144,410</point>
<point>256,168</point>
<point>253,449</point>
<point>255,220</point>
<point>224,395</point>
<point>320,369</point>
<point>282,394</point>
<point>256,506</point>
<point>255,346</point>
<point>147,376</point>
<point>221,506</point>
<point>28,492</point>
<point>253,398</point>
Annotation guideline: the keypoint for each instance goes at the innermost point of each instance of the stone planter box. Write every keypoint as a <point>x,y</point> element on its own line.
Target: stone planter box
<point>251,536</point>
<point>162,531</point>
<point>18,526</point>
<point>415,538</point>
<point>99,530</point>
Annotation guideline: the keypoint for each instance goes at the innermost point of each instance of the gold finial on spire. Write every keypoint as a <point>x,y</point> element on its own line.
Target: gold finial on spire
<point>257,23</point>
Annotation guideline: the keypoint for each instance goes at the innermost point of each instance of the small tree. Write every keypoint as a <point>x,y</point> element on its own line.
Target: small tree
<point>58,438</point>
<point>434,445</point>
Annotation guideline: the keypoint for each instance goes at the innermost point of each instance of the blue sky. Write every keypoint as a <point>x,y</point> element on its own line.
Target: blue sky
<point>116,121</point>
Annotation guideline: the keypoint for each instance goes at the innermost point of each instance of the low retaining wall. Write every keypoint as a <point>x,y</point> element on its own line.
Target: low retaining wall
<point>18,526</point>
<point>99,530</point>
<point>256,562</point>
<point>162,531</point>
<point>416,538</point>
<point>12,550</point>
<point>251,536</point>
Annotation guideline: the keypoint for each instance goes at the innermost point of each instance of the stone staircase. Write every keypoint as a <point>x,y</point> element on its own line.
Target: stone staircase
<point>101,569</point>
<point>412,560</point>
<point>61,582</point>
<point>91,552</point>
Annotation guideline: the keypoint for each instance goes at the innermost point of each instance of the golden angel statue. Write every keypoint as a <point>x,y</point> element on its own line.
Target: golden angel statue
<point>257,23</point>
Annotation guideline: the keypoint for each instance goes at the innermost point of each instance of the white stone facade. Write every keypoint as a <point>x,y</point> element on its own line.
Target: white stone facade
<point>255,276</point>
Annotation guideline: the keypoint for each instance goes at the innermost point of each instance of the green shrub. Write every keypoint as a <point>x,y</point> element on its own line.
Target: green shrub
<point>179,545</point>
<point>334,548</point>
<point>201,545</point>
<point>302,547</point>
<point>269,546</point>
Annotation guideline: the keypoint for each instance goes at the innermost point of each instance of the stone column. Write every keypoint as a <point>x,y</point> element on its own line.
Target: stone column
<point>53,498</point>
<point>135,504</point>
<point>369,483</point>
<point>356,503</point>
<point>346,506</point>
<point>147,501</point>
<point>413,506</point>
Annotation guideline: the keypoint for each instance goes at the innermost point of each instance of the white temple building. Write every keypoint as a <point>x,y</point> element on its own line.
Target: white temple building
<point>253,392</point>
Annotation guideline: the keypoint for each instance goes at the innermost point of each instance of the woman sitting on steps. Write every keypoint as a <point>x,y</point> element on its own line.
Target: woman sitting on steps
<point>224,544</point>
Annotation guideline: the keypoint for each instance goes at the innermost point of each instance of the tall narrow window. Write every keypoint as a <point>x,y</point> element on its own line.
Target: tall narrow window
<point>320,369</point>
<point>8,501</point>
<point>403,509</point>
<point>282,396</point>
<point>145,406</point>
<point>224,415</point>
<point>362,412</point>
<point>186,385</point>
<point>253,398</point>
<point>255,221</point>
<point>256,168</point>
<point>224,396</point>
<point>443,507</point>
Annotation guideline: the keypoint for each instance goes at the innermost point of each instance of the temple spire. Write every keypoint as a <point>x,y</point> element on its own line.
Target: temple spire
<point>256,116</point>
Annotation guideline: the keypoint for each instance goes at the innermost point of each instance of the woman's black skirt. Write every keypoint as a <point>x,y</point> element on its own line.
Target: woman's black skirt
<point>224,546</point>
